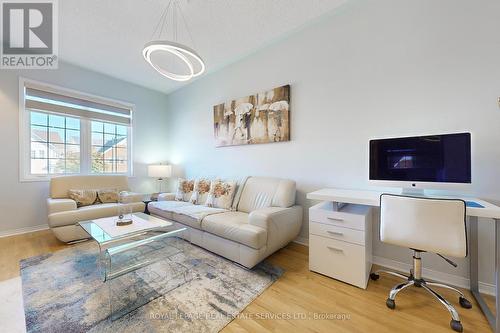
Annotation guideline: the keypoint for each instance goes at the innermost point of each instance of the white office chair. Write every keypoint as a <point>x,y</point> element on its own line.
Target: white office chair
<point>424,225</point>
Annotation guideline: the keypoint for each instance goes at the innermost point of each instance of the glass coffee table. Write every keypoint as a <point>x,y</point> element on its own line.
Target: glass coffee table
<point>137,262</point>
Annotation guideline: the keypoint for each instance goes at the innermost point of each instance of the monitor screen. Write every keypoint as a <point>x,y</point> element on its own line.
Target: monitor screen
<point>435,158</point>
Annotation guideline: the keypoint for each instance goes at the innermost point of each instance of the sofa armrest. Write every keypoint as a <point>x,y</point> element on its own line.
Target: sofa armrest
<point>130,197</point>
<point>282,224</point>
<point>282,217</point>
<point>166,197</point>
<point>60,205</point>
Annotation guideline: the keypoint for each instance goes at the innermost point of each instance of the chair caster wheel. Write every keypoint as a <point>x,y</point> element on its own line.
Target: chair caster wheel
<point>464,302</point>
<point>374,276</point>
<point>390,304</point>
<point>456,326</point>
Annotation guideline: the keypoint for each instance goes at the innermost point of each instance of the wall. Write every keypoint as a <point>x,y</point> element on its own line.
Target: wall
<point>23,203</point>
<point>372,69</point>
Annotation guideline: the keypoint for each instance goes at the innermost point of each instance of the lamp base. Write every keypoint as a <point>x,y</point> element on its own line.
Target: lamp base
<point>160,181</point>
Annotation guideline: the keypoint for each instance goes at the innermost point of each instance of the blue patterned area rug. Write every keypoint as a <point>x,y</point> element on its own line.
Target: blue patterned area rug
<point>64,292</point>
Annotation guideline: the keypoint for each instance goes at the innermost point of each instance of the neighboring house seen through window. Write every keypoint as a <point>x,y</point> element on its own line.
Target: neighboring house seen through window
<point>57,141</point>
<point>109,148</point>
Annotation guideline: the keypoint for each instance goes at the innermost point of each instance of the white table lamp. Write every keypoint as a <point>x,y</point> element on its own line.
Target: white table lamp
<point>159,171</point>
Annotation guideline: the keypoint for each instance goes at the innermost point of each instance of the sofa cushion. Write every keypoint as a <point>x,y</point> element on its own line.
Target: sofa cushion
<point>262,192</point>
<point>234,226</point>
<point>193,215</point>
<point>59,186</point>
<point>183,212</point>
<point>164,208</point>
<point>86,213</point>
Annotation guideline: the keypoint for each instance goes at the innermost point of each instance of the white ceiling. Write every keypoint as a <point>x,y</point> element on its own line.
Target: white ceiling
<point>108,35</point>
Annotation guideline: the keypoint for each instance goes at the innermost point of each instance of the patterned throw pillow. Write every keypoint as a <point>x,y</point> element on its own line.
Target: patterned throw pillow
<point>83,197</point>
<point>184,190</point>
<point>200,191</point>
<point>108,195</point>
<point>221,194</point>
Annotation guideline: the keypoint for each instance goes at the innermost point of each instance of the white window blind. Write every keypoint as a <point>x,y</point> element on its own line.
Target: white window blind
<point>53,102</point>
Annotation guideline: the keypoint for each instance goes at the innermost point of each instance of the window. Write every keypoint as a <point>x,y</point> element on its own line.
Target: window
<point>65,132</point>
<point>55,144</point>
<point>109,148</point>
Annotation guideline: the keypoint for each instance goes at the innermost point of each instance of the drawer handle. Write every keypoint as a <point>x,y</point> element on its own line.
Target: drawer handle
<point>335,233</point>
<point>335,249</point>
<point>335,219</point>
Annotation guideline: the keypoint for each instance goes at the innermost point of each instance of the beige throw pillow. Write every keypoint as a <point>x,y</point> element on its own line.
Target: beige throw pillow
<point>221,194</point>
<point>184,190</point>
<point>108,195</point>
<point>83,197</point>
<point>200,191</point>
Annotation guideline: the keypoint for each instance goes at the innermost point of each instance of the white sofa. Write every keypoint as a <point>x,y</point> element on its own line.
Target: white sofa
<point>63,213</point>
<point>263,220</point>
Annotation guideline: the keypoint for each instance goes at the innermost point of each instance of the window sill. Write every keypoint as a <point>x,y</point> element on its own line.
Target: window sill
<point>33,179</point>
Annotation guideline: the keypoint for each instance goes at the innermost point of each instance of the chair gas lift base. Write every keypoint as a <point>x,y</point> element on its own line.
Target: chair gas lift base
<point>415,279</point>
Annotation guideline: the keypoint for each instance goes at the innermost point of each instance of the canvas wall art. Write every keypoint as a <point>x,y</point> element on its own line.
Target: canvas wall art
<point>260,118</point>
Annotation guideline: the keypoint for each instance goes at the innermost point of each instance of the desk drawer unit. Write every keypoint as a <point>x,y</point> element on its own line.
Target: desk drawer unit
<point>340,242</point>
<point>337,259</point>
<point>336,232</point>
<point>350,216</point>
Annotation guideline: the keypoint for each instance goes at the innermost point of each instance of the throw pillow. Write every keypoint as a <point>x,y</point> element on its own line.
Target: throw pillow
<point>200,191</point>
<point>221,194</point>
<point>184,190</point>
<point>83,197</point>
<point>108,195</point>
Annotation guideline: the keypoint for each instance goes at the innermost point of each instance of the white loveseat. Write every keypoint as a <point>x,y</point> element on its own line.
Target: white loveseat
<point>63,213</point>
<point>264,219</point>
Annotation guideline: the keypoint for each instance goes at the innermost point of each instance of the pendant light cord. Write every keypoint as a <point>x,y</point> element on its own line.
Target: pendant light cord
<point>162,21</point>
<point>186,26</point>
<point>162,24</point>
<point>174,21</point>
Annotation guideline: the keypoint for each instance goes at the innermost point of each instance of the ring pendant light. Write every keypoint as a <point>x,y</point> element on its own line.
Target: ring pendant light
<point>190,58</point>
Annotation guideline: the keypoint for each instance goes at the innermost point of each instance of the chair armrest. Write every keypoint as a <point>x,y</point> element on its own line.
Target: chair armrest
<point>166,197</point>
<point>282,224</point>
<point>129,197</point>
<point>60,205</point>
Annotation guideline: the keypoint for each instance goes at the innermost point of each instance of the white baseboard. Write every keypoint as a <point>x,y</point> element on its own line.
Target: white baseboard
<point>301,241</point>
<point>24,230</point>
<point>430,274</point>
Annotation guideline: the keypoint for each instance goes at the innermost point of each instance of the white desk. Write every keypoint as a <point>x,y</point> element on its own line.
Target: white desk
<point>490,211</point>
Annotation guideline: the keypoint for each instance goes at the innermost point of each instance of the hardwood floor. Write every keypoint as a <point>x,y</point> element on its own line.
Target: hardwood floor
<point>302,301</point>
<point>15,248</point>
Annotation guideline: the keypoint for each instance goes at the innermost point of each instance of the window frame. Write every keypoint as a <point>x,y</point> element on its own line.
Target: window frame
<point>25,174</point>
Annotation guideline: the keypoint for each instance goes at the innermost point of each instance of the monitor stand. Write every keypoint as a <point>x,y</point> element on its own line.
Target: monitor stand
<point>410,191</point>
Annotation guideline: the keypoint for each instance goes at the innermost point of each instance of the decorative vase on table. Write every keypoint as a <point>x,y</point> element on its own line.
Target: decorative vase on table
<point>124,214</point>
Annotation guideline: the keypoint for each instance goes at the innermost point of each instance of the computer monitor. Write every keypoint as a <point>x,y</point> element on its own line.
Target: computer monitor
<point>431,161</point>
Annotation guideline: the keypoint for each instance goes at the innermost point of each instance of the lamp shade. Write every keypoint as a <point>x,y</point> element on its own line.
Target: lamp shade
<point>159,170</point>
